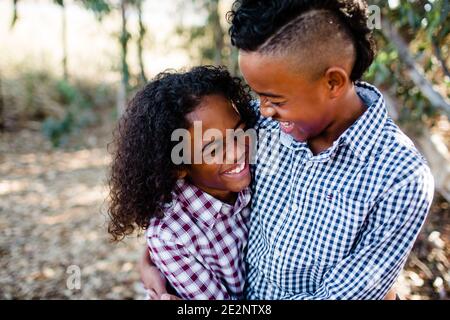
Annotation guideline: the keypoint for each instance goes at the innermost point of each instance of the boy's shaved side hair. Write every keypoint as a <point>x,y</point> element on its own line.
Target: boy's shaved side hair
<point>315,40</point>
<point>320,33</point>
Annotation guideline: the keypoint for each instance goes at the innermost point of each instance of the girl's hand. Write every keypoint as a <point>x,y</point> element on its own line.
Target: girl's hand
<point>152,279</point>
<point>391,295</point>
<point>170,297</point>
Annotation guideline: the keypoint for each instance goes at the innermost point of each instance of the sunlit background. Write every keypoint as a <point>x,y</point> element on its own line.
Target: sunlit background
<point>67,68</point>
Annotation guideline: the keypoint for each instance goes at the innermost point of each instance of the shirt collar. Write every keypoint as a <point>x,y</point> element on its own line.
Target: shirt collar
<point>362,136</point>
<point>205,208</point>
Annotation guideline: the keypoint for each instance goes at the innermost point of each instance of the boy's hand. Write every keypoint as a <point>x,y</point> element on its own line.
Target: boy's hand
<point>152,279</point>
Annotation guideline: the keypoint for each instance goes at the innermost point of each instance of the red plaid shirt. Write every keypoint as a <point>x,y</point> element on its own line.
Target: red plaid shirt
<point>199,244</point>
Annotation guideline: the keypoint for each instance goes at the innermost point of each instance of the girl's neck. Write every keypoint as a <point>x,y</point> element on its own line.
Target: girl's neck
<point>225,196</point>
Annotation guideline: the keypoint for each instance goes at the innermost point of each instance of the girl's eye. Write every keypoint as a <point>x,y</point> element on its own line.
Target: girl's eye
<point>276,104</point>
<point>212,150</point>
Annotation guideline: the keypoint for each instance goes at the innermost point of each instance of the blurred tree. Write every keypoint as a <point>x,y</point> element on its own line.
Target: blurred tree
<point>63,38</point>
<point>104,7</point>
<point>140,40</point>
<point>208,41</point>
<point>2,106</point>
<point>412,63</point>
<point>411,69</point>
<point>15,15</point>
<point>124,38</point>
<point>63,31</point>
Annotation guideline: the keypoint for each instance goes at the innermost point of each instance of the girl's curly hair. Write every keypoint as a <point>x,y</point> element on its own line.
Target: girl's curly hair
<point>253,22</point>
<point>142,174</point>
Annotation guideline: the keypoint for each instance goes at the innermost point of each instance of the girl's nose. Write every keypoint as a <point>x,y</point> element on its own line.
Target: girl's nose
<point>235,150</point>
<point>267,112</point>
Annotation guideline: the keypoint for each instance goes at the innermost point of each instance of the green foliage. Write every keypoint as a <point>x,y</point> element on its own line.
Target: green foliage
<point>78,114</point>
<point>100,8</point>
<point>423,26</point>
<point>207,42</point>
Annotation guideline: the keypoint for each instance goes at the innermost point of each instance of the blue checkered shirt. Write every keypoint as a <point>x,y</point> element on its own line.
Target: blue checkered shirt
<point>340,224</point>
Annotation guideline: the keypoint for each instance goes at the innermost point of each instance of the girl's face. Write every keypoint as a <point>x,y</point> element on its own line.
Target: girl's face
<point>227,171</point>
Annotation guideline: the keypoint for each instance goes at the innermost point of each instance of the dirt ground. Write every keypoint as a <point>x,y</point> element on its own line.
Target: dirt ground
<point>53,219</point>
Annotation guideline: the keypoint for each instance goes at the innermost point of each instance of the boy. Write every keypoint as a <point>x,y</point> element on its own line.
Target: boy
<point>348,193</point>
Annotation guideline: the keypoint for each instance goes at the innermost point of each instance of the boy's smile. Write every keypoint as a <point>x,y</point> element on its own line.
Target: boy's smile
<point>313,110</point>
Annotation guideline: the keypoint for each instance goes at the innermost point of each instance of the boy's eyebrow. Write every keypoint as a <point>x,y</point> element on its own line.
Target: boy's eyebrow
<point>268,94</point>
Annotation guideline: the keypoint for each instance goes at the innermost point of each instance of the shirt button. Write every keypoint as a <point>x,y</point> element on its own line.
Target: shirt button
<point>294,207</point>
<point>308,165</point>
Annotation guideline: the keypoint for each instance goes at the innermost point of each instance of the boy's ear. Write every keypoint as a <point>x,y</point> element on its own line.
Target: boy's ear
<point>337,79</point>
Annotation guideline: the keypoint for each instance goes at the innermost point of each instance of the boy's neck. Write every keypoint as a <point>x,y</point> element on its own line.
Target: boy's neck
<point>349,109</point>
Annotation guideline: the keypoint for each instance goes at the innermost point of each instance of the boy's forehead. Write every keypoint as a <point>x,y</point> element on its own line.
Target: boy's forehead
<point>264,73</point>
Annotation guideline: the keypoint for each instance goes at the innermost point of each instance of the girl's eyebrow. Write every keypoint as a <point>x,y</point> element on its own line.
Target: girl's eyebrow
<point>209,143</point>
<point>212,141</point>
<point>238,123</point>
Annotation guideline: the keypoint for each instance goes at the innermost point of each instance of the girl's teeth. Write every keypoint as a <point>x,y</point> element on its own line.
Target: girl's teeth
<point>238,169</point>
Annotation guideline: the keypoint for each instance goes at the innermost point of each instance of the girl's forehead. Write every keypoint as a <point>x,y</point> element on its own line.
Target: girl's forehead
<point>215,111</point>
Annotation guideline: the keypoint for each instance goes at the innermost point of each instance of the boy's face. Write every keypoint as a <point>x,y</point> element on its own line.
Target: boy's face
<point>227,171</point>
<point>302,106</point>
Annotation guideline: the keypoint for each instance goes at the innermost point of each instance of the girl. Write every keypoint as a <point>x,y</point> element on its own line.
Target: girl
<point>195,214</point>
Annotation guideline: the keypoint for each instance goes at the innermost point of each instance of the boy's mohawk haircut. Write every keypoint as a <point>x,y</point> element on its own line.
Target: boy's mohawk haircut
<point>253,22</point>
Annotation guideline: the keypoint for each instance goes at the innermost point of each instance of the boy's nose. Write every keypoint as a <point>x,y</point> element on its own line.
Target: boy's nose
<point>267,112</point>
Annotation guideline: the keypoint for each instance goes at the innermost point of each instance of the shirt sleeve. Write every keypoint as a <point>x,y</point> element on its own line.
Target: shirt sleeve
<point>372,267</point>
<point>188,276</point>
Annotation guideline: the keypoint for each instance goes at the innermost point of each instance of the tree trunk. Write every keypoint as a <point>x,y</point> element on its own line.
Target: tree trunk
<point>431,146</point>
<point>64,40</point>
<point>140,40</point>
<point>15,14</point>
<point>233,63</point>
<point>414,70</point>
<point>218,33</point>
<point>2,106</point>
<point>124,84</point>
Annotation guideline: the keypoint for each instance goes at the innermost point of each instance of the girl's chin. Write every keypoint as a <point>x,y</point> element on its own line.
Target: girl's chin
<point>238,185</point>
<point>299,136</point>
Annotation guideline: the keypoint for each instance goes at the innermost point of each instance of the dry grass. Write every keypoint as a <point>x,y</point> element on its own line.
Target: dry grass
<point>52,216</point>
